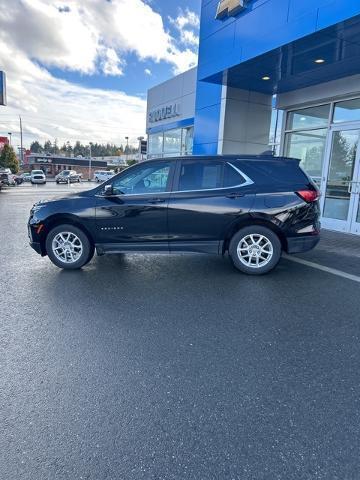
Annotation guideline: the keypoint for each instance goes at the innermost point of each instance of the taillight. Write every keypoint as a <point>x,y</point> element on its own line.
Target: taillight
<point>309,195</point>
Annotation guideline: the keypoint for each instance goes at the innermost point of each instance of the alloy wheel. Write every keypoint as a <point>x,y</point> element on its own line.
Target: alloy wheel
<point>67,247</point>
<point>255,250</point>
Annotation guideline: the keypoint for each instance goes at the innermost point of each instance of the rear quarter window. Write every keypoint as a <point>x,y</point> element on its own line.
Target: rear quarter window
<point>277,170</point>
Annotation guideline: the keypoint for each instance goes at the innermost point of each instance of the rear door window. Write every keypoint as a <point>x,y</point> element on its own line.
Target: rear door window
<point>200,175</point>
<point>208,175</point>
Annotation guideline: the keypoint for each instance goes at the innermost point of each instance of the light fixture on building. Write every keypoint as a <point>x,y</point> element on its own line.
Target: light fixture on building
<point>266,77</point>
<point>319,60</point>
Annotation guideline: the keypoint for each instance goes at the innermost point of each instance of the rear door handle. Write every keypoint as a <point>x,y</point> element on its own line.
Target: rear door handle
<point>235,195</point>
<point>156,200</point>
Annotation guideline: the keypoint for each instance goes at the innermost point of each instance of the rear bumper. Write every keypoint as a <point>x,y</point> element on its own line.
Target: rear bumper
<point>302,244</point>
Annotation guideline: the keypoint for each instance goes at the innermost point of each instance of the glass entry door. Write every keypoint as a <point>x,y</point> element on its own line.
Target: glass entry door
<point>341,188</point>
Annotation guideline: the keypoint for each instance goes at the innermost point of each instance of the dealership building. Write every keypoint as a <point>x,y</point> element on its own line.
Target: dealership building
<point>279,75</point>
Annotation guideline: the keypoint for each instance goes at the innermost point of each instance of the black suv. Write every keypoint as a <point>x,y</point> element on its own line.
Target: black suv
<point>252,207</point>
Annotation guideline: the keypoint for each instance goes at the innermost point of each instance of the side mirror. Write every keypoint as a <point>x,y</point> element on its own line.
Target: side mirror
<point>108,190</point>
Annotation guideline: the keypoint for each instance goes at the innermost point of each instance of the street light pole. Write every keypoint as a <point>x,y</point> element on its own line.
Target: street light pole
<point>127,148</point>
<point>21,142</point>
<point>90,159</point>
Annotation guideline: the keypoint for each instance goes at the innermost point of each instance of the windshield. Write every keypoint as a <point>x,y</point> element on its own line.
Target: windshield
<point>65,172</point>
<point>36,172</point>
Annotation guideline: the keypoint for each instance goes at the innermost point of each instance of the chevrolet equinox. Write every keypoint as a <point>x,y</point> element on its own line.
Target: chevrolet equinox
<point>251,207</point>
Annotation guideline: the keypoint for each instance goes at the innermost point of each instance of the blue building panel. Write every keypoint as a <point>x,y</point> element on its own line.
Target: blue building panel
<point>207,130</point>
<point>207,118</point>
<point>263,26</point>
<point>277,39</point>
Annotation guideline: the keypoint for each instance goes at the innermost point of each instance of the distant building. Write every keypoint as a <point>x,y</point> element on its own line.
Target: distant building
<point>54,164</point>
<point>113,161</point>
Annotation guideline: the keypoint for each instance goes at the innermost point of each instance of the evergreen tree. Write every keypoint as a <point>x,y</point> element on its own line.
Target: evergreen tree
<point>8,159</point>
<point>35,147</point>
<point>47,147</point>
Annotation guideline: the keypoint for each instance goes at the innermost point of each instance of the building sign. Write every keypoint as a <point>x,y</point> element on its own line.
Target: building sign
<point>2,88</point>
<point>3,141</point>
<point>229,8</point>
<point>44,160</point>
<point>164,113</point>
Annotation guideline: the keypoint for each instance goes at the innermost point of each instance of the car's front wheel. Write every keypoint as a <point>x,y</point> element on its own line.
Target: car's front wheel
<point>255,250</point>
<point>68,247</point>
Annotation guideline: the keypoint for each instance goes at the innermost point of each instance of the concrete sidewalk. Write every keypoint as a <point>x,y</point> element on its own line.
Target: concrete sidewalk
<point>336,250</point>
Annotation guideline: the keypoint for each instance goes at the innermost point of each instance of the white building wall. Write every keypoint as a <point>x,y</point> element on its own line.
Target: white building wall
<point>179,90</point>
<point>245,122</point>
<point>324,92</point>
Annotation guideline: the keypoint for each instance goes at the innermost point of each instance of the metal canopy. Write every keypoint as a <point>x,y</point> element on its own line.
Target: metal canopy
<point>329,54</point>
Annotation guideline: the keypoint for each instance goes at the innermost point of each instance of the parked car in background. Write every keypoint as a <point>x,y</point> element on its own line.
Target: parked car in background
<point>103,175</point>
<point>250,207</point>
<point>7,179</point>
<point>26,177</point>
<point>18,179</point>
<point>38,177</point>
<point>68,176</point>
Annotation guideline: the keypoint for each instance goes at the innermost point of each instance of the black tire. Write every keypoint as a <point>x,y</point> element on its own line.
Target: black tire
<point>87,247</point>
<point>267,251</point>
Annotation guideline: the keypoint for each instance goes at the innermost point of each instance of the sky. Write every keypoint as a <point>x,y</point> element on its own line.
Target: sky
<point>80,69</point>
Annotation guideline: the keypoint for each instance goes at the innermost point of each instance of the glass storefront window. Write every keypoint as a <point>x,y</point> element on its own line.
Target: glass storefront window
<point>309,147</point>
<point>308,118</point>
<point>172,142</point>
<point>155,143</point>
<point>341,170</point>
<point>188,140</point>
<point>347,111</point>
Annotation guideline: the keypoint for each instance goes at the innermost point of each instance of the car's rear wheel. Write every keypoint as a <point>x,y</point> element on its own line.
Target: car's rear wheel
<point>255,250</point>
<point>68,247</point>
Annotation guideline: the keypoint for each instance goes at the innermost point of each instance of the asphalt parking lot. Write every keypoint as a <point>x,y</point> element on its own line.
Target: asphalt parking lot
<point>157,367</point>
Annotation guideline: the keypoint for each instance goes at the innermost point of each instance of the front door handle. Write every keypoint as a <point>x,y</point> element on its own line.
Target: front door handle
<point>235,195</point>
<point>156,200</point>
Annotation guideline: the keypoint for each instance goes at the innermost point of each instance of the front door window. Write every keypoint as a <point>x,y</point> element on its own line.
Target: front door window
<point>146,179</point>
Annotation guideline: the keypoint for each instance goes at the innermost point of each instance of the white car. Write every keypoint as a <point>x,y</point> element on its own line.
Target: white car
<point>103,175</point>
<point>38,176</point>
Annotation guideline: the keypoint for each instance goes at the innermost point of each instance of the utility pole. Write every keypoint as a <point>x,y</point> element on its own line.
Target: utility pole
<point>89,175</point>
<point>127,148</point>
<point>21,142</point>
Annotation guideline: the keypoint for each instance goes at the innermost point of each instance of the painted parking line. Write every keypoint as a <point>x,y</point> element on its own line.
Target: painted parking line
<point>333,271</point>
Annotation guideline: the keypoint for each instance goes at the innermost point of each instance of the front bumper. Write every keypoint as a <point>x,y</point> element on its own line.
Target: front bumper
<point>302,244</point>
<point>37,180</point>
<point>35,240</point>
<point>37,247</point>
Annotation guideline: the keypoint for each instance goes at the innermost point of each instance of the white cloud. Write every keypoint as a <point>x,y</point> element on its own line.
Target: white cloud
<point>79,35</point>
<point>186,19</point>
<point>112,64</point>
<point>53,108</point>
<point>188,37</point>
<point>187,23</point>
<point>86,36</point>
